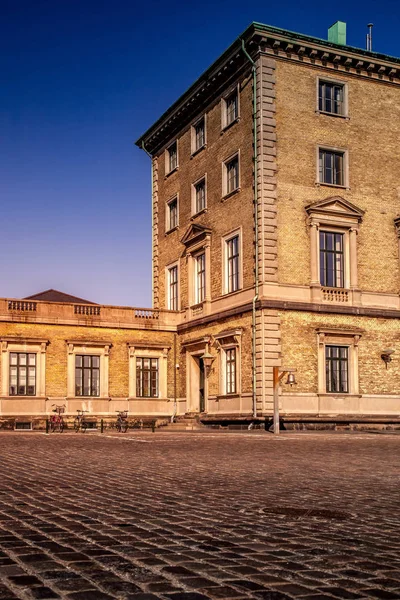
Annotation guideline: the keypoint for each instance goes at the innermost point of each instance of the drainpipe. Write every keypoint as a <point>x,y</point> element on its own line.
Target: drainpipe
<point>256,285</point>
<point>152,227</point>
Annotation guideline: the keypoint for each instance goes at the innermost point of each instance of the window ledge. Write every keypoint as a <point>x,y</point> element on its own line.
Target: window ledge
<point>199,305</point>
<point>201,212</point>
<point>338,394</point>
<point>195,152</point>
<point>230,194</point>
<point>227,397</point>
<point>334,185</point>
<point>172,171</point>
<point>226,127</point>
<point>176,228</point>
<point>331,114</point>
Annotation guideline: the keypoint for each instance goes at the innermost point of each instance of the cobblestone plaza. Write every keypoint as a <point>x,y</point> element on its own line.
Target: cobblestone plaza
<point>191,516</point>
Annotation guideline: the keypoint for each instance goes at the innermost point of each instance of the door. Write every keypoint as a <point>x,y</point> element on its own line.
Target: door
<point>202,405</point>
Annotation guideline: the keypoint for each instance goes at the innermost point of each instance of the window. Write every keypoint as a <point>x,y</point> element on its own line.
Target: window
<point>22,374</point>
<point>173,288</point>
<point>331,97</point>
<point>232,264</point>
<point>331,262</point>
<point>230,108</point>
<point>231,168</point>
<point>172,157</point>
<point>23,367</point>
<point>230,374</point>
<point>198,135</point>
<point>172,214</point>
<point>87,375</point>
<point>331,167</point>
<point>200,275</point>
<point>146,377</point>
<point>87,368</point>
<point>337,369</point>
<point>148,373</point>
<point>199,196</point>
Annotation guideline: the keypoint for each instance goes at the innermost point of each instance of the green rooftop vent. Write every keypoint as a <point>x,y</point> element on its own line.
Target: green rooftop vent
<point>337,33</point>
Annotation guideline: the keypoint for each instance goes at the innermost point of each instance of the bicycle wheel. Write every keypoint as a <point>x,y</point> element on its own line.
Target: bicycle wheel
<point>118,426</point>
<point>76,424</point>
<point>124,426</point>
<point>83,426</point>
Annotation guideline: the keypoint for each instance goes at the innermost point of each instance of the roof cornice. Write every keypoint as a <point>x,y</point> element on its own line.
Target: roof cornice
<point>284,45</point>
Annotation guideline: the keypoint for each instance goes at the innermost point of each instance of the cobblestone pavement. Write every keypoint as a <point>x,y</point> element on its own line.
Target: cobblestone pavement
<point>199,515</point>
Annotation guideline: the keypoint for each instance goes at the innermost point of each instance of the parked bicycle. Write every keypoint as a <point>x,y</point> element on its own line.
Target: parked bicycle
<point>122,421</point>
<point>80,423</point>
<point>56,422</point>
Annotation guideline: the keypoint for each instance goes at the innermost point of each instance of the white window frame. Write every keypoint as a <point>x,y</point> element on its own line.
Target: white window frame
<point>194,211</point>
<point>227,340</point>
<point>224,107</point>
<point>336,337</point>
<point>168,214</point>
<point>137,350</point>
<point>345,231</point>
<point>196,257</point>
<point>36,346</point>
<point>168,269</point>
<point>345,152</point>
<point>225,163</point>
<point>195,150</point>
<point>225,281</point>
<point>90,348</point>
<point>168,168</point>
<point>345,87</point>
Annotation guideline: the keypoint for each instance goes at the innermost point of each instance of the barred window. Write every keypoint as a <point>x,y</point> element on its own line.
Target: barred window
<point>230,361</point>
<point>147,377</point>
<point>337,369</point>
<point>331,259</point>
<point>87,375</point>
<point>173,288</point>
<point>200,195</point>
<point>331,97</point>
<point>232,259</point>
<point>22,374</point>
<point>331,167</point>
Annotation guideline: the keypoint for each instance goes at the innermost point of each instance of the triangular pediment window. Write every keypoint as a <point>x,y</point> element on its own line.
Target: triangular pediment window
<point>195,233</point>
<point>335,206</point>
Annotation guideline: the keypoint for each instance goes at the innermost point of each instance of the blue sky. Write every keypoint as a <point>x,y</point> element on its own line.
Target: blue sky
<point>81,80</point>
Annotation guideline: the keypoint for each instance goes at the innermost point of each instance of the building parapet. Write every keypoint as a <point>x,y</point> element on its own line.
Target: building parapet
<point>70,313</point>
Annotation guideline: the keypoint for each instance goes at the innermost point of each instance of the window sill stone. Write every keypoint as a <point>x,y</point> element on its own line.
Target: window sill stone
<point>230,194</point>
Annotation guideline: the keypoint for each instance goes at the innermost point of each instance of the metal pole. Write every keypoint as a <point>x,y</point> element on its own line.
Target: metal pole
<point>276,380</point>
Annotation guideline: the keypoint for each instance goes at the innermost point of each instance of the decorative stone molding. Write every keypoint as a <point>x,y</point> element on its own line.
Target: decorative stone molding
<point>36,346</point>
<point>91,348</point>
<point>339,337</point>
<point>148,350</point>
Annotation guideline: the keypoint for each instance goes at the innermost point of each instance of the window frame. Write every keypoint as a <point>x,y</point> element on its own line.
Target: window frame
<point>330,361</point>
<point>345,163</point>
<point>226,193</point>
<point>200,274</point>
<point>194,148</point>
<point>227,341</point>
<point>11,345</point>
<point>196,212</point>
<point>224,107</point>
<point>343,253</point>
<point>225,266</point>
<point>168,270</point>
<point>348,338</point>
<point>168,167</point>
<point>141,370</point>
<point>18,367</point>
<point>153,351</point>
<point>168,227</point>
<point>337,82</point>
<point>91,369</point>
<point>88,348</point>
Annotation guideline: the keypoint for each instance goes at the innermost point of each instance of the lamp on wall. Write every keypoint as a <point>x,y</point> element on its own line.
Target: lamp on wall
<point>208,360</point>
<point>386,356</point>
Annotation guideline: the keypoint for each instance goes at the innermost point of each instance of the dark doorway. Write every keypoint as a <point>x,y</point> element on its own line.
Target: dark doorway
<point>201,386</point>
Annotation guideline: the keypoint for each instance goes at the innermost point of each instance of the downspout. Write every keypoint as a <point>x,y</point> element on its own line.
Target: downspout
<point>255,167</point>
<point>152,227</point>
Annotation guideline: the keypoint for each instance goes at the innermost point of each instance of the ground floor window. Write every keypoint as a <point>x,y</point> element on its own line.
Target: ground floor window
<point>230,364</point>
<point>146,377</point>
<point>22,374</point>
<point>87,375</point>
<point>337,369</point>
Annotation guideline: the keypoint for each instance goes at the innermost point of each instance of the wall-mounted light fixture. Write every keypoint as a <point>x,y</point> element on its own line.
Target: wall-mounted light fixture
<point>208,360</point>
<point>386,356</point>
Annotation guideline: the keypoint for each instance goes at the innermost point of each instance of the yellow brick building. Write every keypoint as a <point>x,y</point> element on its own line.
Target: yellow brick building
<point>275,245</point>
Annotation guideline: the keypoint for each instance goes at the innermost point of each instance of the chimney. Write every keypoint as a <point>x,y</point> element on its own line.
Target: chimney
<point>337,33</point>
